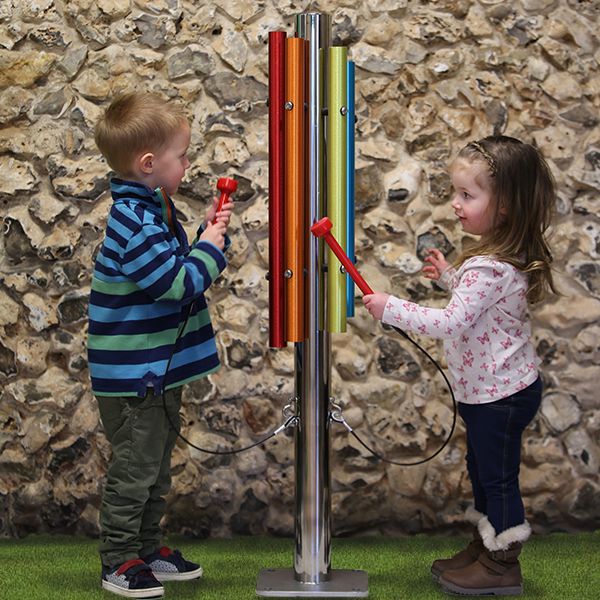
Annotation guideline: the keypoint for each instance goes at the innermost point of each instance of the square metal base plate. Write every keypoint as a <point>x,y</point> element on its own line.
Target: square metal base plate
<point>281,583</point>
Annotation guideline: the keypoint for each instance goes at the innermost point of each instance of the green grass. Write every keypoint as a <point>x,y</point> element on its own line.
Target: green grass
<point>556,567</point>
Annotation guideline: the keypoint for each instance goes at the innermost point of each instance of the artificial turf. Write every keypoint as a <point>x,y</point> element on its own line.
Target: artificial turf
<point>556,567</point>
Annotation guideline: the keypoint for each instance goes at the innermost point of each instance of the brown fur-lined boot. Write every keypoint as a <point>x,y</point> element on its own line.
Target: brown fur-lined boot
<point>496,572</point>
<point>461,559</point>
<point>466,556</point>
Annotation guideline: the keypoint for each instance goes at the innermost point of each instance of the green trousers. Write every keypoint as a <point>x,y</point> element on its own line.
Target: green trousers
<point>139,473</point>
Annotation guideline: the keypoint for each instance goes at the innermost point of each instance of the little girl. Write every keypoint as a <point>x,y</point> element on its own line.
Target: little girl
<point>504,193</point>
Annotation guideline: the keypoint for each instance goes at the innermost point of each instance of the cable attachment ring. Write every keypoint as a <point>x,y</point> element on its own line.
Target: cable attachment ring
<point>290,414</point>
<point>336,414</point>
<point>291,408</point>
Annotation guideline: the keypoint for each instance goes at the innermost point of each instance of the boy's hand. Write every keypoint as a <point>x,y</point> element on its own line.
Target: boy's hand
<point>223,215</point>
<point>215,234</point>
<point>437,264</point>
<point>375,304</point>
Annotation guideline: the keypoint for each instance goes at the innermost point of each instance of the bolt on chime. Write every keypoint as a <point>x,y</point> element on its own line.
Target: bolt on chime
<point>311,175</point>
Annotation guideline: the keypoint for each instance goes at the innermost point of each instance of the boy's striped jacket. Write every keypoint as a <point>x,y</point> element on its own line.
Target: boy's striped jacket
<point>146,279</point>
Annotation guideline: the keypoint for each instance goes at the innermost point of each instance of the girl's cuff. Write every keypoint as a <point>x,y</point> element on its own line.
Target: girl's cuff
<point>447,277</point>
<point>388,318</point>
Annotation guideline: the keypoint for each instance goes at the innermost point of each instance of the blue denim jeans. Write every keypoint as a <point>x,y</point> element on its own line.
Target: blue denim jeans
<point>494,432</point>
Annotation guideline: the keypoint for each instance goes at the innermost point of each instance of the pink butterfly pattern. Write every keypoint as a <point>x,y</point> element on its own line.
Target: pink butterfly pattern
<point>468,358</point>
<point>484,327</point>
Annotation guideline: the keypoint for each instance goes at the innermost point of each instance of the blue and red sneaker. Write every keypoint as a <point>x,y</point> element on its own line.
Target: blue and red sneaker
<point>169,565</point>
<point>132,579</point>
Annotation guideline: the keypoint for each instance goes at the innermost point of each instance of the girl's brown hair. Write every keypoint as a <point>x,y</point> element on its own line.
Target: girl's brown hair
<point>523,188</point>
<point>135,123</point>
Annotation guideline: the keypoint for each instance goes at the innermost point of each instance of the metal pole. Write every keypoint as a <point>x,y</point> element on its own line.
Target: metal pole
<point>312,576</point>
<point>312,559</point>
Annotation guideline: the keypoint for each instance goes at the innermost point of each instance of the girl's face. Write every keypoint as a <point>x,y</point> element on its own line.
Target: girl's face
<point>472,200</point>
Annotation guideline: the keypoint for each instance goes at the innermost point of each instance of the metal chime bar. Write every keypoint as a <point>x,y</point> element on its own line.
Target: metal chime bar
<point>295,220</point>
<point>350,180</point>
<point>276,188</point>
<point>336,184</point>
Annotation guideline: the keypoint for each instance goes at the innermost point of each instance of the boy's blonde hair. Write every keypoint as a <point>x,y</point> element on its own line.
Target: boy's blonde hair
<point>135,123</point>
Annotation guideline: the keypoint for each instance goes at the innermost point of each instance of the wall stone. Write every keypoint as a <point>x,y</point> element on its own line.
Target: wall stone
<point>430,77</point>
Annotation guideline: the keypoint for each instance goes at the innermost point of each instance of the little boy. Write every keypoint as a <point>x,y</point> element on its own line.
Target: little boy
<point>149,333</point>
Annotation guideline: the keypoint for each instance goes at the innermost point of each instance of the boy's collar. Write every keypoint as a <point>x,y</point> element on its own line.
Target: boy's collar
<point>118,184</point>
<point>160,198</point>
<point>122,185</point>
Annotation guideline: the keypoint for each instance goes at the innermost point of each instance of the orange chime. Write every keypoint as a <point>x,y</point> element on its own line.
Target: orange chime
<point>295,226</point>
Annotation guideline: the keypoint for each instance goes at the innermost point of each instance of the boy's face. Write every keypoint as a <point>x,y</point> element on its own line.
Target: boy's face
<point>170,163</point>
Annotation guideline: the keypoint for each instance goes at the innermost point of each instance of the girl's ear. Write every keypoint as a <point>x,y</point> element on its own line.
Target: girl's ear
<point>145,162</point>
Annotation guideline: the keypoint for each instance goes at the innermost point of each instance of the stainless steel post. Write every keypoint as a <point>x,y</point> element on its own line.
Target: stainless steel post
<point>312,575</point>
<point>312,558</point>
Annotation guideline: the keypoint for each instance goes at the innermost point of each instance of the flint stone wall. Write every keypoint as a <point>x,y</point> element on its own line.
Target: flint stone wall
<point>430,77</point>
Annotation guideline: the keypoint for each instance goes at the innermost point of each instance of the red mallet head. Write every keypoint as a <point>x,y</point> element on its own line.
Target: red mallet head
<point>321,227</point>
<point>227,185</point>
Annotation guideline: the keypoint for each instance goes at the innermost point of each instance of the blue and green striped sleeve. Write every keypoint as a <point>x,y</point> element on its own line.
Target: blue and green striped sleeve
<point>150,261</point>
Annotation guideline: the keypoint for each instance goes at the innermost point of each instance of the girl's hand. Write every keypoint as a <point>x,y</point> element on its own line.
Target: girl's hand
<point>437,264</point>
<point>224,215</point>
<point>215,234</point>
<point>375,304</point>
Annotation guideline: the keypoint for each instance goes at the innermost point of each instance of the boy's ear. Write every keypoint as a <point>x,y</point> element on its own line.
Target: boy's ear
<point>145,162</point>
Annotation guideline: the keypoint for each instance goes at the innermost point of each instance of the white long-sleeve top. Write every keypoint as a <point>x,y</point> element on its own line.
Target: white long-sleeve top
<point>485,328</point>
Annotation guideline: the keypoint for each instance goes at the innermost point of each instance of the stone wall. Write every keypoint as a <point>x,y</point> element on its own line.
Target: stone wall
<point>430,77</point>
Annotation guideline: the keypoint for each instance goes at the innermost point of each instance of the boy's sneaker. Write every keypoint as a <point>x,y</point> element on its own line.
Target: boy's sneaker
<point>169,565</point>
<point>132,579</point>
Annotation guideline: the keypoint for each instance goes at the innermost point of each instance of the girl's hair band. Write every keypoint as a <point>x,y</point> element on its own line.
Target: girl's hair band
<point>488,157</point>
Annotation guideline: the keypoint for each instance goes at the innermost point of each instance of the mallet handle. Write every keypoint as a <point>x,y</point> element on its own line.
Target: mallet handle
<point>350,268</point>
<point>227,186</point>
<point>222,200</point>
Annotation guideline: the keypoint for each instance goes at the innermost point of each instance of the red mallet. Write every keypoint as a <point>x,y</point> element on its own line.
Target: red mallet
<point>226,186</point>
<point>322,228</point>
